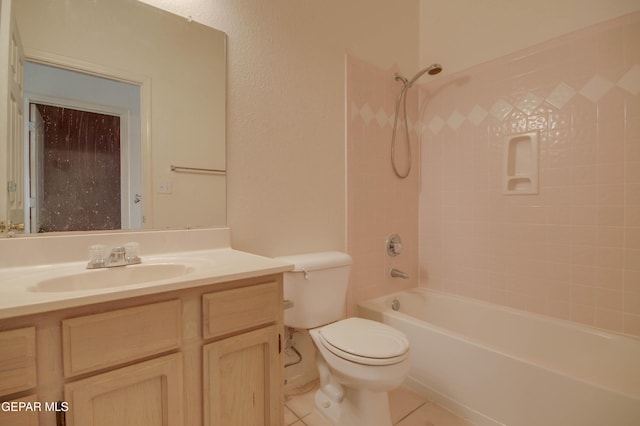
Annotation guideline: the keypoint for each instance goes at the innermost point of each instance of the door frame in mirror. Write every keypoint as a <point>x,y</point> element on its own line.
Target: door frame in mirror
<point>144,83</point>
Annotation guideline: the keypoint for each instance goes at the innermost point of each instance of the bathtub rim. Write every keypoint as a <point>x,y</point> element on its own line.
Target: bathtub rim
<point>385,302</point>
<point>608,334</point>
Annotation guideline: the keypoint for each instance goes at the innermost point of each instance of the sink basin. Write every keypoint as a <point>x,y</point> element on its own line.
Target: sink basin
<point>111,277</point>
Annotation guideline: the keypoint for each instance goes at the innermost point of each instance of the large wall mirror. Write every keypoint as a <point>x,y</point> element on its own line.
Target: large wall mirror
<point>114,117</point>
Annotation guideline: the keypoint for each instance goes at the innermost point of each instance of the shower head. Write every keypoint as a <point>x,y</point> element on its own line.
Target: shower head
<point>431,70</point>
<point>434,69</point>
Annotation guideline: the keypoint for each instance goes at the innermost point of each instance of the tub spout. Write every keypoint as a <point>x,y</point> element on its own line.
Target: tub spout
<point>396,273</point>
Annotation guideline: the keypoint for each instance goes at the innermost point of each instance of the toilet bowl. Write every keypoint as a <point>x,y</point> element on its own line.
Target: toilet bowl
<point>358,360</point>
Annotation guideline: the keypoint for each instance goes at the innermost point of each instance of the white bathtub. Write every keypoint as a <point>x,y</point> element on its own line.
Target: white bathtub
<point>496,365</point>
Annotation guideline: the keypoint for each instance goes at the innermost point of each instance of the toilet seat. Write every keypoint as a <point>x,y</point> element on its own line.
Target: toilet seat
<point>365,341</point>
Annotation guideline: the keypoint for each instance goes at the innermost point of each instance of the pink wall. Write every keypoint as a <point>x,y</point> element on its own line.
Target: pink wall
<point>378,203</point>
<point>573,250</point>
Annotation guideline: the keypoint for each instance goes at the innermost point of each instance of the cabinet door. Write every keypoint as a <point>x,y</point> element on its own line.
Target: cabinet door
<point>148,393</point>
<point>17,360</point>
<point>16,417</point>
<point>242,380</point>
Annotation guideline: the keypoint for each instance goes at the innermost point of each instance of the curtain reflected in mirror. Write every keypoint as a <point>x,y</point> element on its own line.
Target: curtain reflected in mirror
<point>75,167</point>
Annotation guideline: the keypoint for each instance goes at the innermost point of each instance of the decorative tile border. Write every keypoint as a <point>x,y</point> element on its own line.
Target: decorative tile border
<point>593,90</point>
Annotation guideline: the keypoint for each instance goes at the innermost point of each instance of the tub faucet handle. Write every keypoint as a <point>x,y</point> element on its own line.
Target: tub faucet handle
<point>394,245</point>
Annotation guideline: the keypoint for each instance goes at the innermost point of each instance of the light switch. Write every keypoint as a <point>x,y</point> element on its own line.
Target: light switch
<point>164,187</point>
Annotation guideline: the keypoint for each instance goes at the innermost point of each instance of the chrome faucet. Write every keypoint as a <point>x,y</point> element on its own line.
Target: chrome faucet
<point>119,256</point>
<point>396,273</point>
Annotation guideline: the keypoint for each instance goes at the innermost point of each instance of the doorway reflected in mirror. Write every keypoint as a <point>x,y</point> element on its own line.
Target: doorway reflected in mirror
<point>75,166</point>
<point>83,151</point>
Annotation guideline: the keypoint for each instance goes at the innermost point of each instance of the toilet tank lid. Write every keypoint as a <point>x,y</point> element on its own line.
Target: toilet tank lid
<point>316,261</point>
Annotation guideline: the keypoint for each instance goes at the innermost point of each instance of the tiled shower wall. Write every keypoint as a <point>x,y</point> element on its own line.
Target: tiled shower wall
<point>572,251</point>
<point>378,202</point>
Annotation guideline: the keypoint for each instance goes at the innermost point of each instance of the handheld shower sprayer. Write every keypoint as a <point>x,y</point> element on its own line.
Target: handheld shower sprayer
<point>402,100</point>
<point>431,70</point>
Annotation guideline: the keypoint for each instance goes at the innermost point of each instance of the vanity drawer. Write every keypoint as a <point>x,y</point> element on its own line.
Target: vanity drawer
<point>17,360</point>
<point>103,340</point>
<point>239,309</point>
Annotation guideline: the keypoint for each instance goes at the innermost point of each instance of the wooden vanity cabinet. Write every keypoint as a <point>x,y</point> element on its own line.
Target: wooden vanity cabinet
<point>144,393</point>
<point>243,372</point>
<point>13,417</point>
<point>17,360</point>
<point>18,374</point>
<point>209,355</point>
<point>148,393</point>
<point>93,342</point>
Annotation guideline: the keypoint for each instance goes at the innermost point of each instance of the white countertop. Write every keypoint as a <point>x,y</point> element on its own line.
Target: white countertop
<point>17,295</point>
<point>20,293</point>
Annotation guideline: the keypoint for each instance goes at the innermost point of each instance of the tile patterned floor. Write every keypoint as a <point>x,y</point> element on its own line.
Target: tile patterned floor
<point>407,409</point>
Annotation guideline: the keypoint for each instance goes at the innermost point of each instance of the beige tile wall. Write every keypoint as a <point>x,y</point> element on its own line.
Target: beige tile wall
<point>378,203</point>
<point>573,250</point>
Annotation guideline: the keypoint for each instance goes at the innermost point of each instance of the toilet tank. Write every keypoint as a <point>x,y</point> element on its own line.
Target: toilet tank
<point>317,287</point>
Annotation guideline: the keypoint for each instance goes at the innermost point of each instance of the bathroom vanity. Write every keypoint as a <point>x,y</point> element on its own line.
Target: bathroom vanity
<point>203,347</point>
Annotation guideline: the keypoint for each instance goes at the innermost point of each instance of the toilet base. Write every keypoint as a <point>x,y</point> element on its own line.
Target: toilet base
<point>327,407</point>
<point>359,407</point>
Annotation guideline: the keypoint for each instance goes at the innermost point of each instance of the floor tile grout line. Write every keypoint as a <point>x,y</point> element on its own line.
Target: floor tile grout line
<point>411,412</point>
<point>301,419</point>
<point>298,418</point>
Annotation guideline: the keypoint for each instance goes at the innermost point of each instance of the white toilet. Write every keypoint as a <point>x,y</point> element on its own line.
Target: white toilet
<point>358,360</point>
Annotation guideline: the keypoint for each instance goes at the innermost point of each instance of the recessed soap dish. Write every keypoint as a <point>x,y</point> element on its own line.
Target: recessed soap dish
<point>520,164</point>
